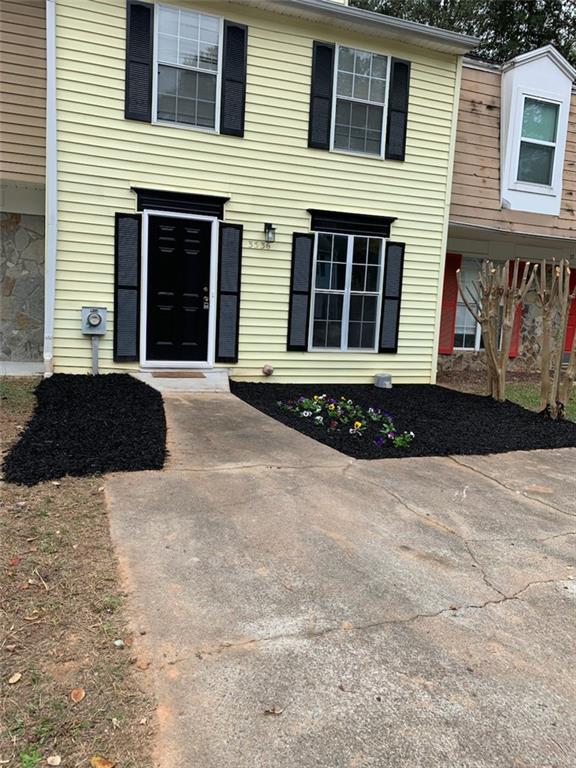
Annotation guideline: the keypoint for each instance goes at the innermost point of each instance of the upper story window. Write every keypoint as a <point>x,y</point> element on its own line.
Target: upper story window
<point>538,141</point>
<point>536,96</point>
<point>361,79</point>
<point>188,47</point>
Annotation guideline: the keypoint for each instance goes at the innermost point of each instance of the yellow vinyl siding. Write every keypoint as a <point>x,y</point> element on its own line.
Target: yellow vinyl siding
<point>269,175</point>
<point>22,90</point>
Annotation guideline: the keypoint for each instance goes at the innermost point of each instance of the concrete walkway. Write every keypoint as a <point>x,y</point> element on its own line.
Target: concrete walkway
<point>305,610</point>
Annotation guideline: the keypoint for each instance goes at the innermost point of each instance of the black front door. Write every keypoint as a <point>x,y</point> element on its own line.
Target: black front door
<point>178,289</point>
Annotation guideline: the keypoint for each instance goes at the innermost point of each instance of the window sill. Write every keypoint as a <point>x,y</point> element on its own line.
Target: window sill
<point>352,153</point>
<point>534,189</point>
<point>343,351</point>
<point>186,126</point>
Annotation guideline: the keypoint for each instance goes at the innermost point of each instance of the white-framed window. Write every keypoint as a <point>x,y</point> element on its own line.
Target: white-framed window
<point>187,69</point>
<point>467,332</point>
<point>347,292</point>
<point>538,137</point>
<point>360,100</point>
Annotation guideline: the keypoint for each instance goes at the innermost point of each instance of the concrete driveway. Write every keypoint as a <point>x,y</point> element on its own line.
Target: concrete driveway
<point>303,609</point>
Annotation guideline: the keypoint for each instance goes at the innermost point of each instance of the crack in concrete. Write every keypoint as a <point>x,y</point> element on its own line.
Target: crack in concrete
<point>234,467</point>
<point>443,527</point>
<point>510,489</point>
<point>215,650</point>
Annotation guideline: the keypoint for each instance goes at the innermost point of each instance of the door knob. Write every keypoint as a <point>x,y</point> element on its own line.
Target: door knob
<point>206,302</point>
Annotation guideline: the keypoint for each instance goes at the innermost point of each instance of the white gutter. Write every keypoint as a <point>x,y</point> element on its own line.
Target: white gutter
<point>51,190</point>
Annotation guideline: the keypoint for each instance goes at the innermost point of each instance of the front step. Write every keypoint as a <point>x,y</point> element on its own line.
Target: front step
<point>179,380</point>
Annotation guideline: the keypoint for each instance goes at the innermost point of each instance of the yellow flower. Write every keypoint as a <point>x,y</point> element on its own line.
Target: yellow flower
<point>331,407</point>
<point>357,424</point>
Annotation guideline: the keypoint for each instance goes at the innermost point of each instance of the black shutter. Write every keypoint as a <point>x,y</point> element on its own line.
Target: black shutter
<point>139,46</point>
<point>300,287</point>
<point>229,279</point>
<point>397,110</point>
<point>321,96</point>
<point>233,101</point>
<point>127,286</point>
<point>391,295</point>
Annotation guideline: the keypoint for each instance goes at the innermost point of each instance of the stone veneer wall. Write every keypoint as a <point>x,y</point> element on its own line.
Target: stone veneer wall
<point>528,359</point>
<point>21,287</point>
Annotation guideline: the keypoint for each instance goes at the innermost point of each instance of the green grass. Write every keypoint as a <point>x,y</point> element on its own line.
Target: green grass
<point>528,396</point>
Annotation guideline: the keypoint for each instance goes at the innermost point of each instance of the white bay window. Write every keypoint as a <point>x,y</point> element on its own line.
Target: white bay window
<point>538,141</point>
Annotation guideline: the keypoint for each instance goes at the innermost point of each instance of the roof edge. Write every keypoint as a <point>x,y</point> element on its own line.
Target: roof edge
<point>419,34</point>
<point>547,51</point>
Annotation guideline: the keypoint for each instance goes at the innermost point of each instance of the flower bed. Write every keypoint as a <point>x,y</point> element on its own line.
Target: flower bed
<point>444,422</point>
<point>346,417</point>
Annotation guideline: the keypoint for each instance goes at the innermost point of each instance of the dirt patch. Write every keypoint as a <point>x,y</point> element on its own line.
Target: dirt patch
<point>62,609</point>
<point>445,422</point>
<point>86,425</point>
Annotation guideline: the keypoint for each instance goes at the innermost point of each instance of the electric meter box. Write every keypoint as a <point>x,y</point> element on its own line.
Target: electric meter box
<point>94,320</point>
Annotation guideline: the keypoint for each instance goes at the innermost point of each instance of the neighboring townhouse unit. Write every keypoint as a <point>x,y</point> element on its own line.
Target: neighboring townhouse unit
<point>251,182</point>
<point>514,191</point>
<point>22,174</point>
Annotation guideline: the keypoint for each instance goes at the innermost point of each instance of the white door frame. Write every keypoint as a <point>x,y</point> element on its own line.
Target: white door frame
<point>144,363</point>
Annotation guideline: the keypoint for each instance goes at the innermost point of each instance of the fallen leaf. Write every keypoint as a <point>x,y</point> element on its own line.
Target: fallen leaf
<point>101,762</point>
<point>273,711</point>
<point>142,664</point>
<point>10,648</point>
<point>55,482</point>
<point>143,721</point>
<point>77,694</point>
<point>16,677</point>
<point>15,560</point>
<point>53,760</point>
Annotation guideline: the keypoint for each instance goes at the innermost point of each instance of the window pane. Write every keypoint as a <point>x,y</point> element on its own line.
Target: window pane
<point>319,334</point>
<point>208,56</point>
<point>359,250</point>
<point>338,277</point>
<point>340,248</point>
<point>361,87</point>
<point>168,21</point>
<point>335,303</point>
<point>167,49</point>
<point>362,63</point>
<point>368,333</point>
<point>188,52</point>
<point>354,334</point>
<point>358,277</point>
<point>370,307</point>
<point>206,87</point>
<point>377,90</point>
<point>167,79</point>
<point>189,25</point>
<point>187,84</point>
<point>324,247</point>
<point>344,86</point>
<point>540,120</point>
<point>186,111</point>
<point>334,334</point>
<point>356,305</point>
<point>379,66</point>
<point>323,274</point>
<point>536,163</point>
<point>346,60</point>
<point>372,279</point>
<point>167,108</point>
<point>321,306</point>
<point>374,250</point>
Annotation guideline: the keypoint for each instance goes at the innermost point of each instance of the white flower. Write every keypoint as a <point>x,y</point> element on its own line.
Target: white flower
<point>306,413</point>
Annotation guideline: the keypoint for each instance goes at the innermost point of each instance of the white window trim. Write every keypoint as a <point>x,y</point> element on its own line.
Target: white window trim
<point>384,106</point>
<point>346,293</point>
<point>477,340</point>
<point>186,126</point>
<point>554,189</point>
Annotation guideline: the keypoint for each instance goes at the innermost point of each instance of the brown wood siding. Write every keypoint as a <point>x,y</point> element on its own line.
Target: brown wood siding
<point>476,183</point>
<point>22,90</point>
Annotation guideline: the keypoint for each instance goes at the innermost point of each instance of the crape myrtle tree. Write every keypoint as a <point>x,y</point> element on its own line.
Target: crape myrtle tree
<point>505,28</point>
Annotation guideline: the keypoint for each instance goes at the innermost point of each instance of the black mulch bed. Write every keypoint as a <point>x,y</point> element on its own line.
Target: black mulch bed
<point>86,425</point>
<point>445,422</point>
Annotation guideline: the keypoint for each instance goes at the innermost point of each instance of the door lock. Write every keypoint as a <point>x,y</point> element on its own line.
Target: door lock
<point>206,302</point>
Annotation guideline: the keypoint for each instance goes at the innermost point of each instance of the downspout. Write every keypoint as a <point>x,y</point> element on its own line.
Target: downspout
<point>51,212</point>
